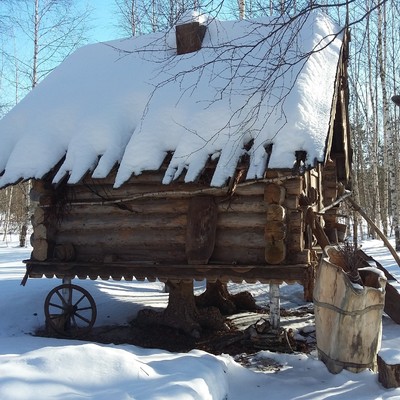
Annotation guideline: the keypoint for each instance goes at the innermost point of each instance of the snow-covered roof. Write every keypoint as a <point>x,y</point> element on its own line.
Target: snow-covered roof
<point>131,102</point>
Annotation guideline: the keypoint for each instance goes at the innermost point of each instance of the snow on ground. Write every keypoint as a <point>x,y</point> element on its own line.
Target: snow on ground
<point>42,368</point>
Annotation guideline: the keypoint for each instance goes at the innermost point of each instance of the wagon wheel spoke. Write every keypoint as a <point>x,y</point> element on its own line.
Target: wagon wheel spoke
<point>57,306</point>
<point>81,317</point>
<point>82,297</point>
<point>66,316</point>
<point>60,296</point>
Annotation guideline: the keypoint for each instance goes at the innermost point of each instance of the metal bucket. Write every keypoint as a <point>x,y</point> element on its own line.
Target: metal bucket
<point>348,317</point>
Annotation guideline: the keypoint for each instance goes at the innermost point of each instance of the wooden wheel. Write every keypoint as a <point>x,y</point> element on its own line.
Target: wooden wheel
<point>70,310</point>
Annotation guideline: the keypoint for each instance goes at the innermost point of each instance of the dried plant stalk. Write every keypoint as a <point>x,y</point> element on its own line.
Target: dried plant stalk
<point>351,261</point>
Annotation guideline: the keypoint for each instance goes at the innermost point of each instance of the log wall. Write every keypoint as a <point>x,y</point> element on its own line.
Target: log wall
<point>260,224</point>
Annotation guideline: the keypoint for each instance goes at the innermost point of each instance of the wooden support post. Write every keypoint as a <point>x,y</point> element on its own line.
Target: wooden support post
<point>66,280</point>
<point>274,306</point>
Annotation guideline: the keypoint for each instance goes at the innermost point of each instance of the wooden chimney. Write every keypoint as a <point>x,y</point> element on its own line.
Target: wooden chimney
<point>189,37</point>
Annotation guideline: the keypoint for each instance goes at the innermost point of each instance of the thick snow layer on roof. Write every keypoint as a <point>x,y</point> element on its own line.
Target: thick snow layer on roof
<point>130,102</point>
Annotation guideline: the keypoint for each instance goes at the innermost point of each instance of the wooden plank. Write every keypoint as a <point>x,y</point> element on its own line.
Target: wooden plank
<point>201,229</point>
<point>237,273</point>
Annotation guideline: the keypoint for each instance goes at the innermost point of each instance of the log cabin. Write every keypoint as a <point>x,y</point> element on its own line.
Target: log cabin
<point>204,152</point>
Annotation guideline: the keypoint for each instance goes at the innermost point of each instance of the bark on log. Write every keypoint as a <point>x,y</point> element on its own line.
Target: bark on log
<point>388,374</point>
<point>275,252</point>
<point>182,312</point>
<point>217,295</point>
<point>274,193</point>
<point>40,249</point>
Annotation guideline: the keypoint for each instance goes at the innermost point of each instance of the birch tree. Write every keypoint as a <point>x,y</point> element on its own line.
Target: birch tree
<point>43,33</point>
<point>138,17</point>
<point>387,125</point>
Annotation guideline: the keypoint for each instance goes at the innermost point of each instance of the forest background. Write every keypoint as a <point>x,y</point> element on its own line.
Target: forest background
<point>37,35</point>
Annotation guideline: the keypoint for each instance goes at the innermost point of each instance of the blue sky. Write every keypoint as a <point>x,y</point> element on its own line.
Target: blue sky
<point>104,20</point>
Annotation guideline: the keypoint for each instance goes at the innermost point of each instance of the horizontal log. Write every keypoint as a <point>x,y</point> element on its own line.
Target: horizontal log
<point>140,206</point>
<point>125,236</point>
<point>251,237</point>
<point>295,221</point>
<point>235,204</point>
<point>299,257</point>
<point>255,189</point>
<point>94,224</point>
<point>294,186</point>
<point>278,173</point>
<point>242,204</point>
<point>99,193</point>
<point>241,220</point>
<point>125,252</point>
<point>228,254</point>
<point>111,222</point>
<point>291,202</point>
<point>295,243</point>
<point>238,255</point>
<point>329,193</point>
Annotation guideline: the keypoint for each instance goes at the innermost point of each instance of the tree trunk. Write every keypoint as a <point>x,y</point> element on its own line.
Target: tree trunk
<point>377,208</point>
<point>182,312</point>
<point>192,314</point>
<point>388,127</point>
<point>7,217</point>
<point>217,295</point>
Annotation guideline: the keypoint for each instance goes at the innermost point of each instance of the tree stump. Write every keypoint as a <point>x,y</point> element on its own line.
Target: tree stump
<point>182,312</point>
<point>217,295</point>
<point>388,371</point>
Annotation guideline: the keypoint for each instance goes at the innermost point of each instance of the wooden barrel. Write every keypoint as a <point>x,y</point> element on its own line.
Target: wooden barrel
<point>348,317</point>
